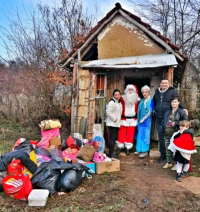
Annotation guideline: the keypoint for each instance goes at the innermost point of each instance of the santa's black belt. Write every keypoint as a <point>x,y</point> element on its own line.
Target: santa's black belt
<point>128,117</point>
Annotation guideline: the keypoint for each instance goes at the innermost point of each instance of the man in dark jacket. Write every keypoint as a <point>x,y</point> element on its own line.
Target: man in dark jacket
<point>162,102</point>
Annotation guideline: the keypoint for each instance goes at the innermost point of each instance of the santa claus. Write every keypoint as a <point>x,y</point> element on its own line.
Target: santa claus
<point>129,101</point>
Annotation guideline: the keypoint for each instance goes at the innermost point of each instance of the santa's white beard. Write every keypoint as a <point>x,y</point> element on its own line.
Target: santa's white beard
<point>130,98</point>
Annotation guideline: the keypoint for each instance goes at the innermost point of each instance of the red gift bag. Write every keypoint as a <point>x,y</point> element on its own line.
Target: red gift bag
<point>71,143</point>
<point>18,187</point>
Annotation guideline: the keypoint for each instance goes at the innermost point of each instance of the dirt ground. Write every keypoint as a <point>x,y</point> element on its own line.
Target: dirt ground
<point>121,191</point>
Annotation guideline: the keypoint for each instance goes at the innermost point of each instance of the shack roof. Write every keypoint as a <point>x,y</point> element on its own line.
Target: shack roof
<point>156,35</point>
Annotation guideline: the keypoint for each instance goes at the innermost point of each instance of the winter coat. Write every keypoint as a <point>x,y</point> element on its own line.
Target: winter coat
<point>183,143</point>
<point>17,154</point>
<point>163,104</point>
<point>114,111</point>
<point>179,115</point>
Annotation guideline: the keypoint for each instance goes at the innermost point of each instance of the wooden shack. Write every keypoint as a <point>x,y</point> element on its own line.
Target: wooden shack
<point>121,49</point>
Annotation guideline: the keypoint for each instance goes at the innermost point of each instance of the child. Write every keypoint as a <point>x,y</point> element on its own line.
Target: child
<point>182,145</point>
<point>170,123</point>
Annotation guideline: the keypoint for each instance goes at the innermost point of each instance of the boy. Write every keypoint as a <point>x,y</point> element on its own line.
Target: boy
<point>170,124</point>
<point>182,145</point>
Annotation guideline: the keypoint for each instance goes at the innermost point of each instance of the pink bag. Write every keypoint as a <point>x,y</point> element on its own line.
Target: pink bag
<point>51,133</point>
<point>44,142</point>
<point>47,136</point>
<point>69,154</point>
<point>99,157</point>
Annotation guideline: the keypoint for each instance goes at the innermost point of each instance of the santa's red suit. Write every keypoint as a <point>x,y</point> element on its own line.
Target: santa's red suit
<point>129,117</point>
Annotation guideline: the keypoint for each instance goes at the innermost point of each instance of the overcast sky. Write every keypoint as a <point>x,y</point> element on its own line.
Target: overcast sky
<point>7,8</point>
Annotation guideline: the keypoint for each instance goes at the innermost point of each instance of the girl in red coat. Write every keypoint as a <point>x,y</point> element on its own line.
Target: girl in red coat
<point>182,145</point>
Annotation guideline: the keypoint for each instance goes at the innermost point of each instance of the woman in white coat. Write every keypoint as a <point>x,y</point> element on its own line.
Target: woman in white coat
<point>114,111</point>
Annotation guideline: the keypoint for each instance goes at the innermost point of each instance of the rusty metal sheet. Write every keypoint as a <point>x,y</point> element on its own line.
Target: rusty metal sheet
<point>144,61</point>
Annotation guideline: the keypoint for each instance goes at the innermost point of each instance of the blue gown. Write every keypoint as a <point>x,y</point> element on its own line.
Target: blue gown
<point>144,125</point>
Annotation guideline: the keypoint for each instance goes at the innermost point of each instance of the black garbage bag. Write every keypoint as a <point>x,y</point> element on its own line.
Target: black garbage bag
<point>48,174</point>
<point>64,145</point>
<point>61,165</point>
<point>72,177</point>
<point>42,151</point>
<point>78,141</point>
<point>46,177</point>
<point>56,154</point>
<point>25,146</point>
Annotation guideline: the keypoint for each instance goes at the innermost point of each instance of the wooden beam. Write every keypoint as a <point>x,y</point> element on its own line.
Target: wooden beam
<point>170,75</point>
<point>86,50</point>
<point>88,112</point>
<point>77,97</point>
<point>79,57</point>
<point>73,99</point>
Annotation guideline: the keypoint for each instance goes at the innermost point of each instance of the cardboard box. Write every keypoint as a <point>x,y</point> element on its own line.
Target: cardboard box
<point>55,141</point>
<point>108,166</point>
<point>197,141</point>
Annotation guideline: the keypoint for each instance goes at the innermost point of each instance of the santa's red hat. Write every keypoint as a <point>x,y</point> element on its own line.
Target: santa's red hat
<point>130,86</point>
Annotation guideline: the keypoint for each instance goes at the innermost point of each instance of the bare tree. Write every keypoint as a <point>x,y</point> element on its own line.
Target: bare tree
<point>178,20</point>
<point>34,47</point>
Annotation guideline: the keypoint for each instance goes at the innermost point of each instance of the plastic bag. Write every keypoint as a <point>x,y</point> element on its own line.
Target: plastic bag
<point>48,173</point>
<point>56,154</point>
<point>64,145</point>
<point>50,124</point>
<point>34,143</point>
<point>78,141</point>
<point>21,140</point>
<point>71,178</point>
<point>18,142</point>
<point>98,143</point>
<point>51,133</point>
<point>42,159</point>
<point>18,187</point>
<point>44,143</point>
<point>78,135</point>
<point>15,168</point>
<point>86,153</point>
<point>25,146</point>
<point>69,154</point>
<point>71,143</point>
<point>42,151</point>
<point>46,177</point>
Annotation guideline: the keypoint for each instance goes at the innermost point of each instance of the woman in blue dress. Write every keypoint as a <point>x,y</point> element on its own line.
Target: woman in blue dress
<point>144,114</point>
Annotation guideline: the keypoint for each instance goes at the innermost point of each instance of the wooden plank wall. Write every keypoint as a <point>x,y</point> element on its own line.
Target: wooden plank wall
<point>116,78</point>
